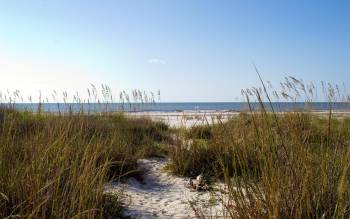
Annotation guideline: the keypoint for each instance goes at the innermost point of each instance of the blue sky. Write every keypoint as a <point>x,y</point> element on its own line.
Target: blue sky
<point>192,50</point>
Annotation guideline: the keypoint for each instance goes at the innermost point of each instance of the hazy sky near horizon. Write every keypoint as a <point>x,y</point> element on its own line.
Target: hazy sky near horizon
<point>192,50</point>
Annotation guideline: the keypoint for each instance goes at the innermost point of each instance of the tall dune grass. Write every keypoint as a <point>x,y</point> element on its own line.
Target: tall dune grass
<point>56,166</point>
<point>275,164</point>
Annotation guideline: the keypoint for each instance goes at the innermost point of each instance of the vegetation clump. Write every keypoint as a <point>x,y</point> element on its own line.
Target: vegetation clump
<point>57,166</point>
<point>274,164</point>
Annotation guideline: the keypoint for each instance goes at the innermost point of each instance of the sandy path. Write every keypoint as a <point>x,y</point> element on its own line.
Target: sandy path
<point>161,195</point>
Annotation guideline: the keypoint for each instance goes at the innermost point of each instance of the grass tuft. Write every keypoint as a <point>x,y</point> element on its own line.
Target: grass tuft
<point>55,166</point>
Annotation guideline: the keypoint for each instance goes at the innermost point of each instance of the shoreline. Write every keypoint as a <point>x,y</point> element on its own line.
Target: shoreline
<point>187,119</point>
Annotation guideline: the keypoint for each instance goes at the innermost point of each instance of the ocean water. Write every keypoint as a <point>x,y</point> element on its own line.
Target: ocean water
<point>184,106</point>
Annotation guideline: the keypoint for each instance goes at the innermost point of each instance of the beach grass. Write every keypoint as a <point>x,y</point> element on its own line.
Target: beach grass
<point>57,166</point>
<point>273,164</point>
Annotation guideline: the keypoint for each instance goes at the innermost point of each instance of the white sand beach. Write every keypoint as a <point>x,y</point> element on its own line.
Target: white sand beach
<point>186,119</point>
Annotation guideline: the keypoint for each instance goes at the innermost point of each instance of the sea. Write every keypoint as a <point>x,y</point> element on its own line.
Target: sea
<point>179,106</point>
